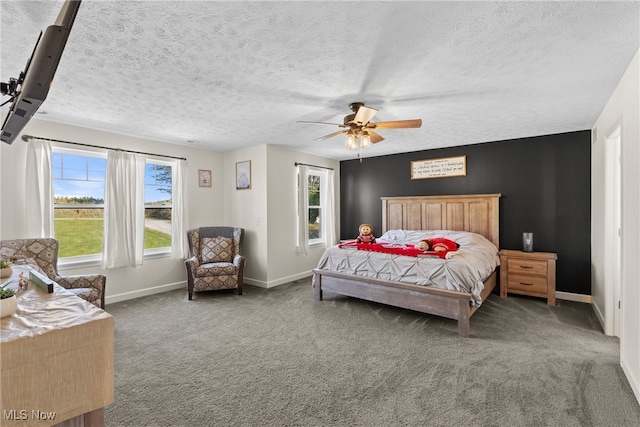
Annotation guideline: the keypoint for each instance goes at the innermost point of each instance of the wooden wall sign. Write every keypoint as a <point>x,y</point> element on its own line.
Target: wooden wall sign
<point>439,168</point>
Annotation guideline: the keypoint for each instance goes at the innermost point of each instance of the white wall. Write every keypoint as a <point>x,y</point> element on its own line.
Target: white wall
<point>622,108</point>
<point>247,209</point>
<point>285,264</point>
<point>268,213</point>
<point>155,275</point>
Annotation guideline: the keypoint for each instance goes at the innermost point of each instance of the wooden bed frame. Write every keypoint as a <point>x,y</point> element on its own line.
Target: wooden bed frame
<point>474,213</point>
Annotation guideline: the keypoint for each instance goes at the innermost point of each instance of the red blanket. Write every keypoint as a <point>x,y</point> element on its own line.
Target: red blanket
<point>408,250</point>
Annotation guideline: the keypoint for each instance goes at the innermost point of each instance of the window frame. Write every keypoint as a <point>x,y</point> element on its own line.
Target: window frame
<point>93,260</point>
<point>322,175</point>
<point>165,250</point>
<point>78,260</point>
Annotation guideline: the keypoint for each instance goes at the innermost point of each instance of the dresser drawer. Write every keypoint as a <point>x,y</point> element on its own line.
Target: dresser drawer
<point>527,283</point>
<point>528,266</point>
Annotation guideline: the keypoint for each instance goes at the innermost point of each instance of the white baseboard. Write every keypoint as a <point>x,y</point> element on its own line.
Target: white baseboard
<point>599,315</point>
<point>281,281</point>
<point>569,296</point>
<point>144,292</point>
<point>110,299</point>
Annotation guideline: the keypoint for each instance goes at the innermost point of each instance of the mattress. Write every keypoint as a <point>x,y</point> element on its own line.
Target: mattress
<point>464,270</point>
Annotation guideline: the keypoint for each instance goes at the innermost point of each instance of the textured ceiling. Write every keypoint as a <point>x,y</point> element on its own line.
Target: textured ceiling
<point>237,74</point>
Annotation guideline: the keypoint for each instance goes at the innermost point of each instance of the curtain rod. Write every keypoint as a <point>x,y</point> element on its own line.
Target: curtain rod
<point>313,166</point>
<point>27,137</point>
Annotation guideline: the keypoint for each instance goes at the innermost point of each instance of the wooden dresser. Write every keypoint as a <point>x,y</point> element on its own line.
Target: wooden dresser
<point>528,273</point>
<point>56,359</point>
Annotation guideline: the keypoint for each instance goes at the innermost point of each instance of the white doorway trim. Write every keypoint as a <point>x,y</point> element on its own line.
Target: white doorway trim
<point>613,230</point>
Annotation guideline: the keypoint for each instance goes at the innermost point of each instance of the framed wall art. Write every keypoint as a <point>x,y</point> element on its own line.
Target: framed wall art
<point>204,178</point>
<point>243,175</point>
<point>444,167</point>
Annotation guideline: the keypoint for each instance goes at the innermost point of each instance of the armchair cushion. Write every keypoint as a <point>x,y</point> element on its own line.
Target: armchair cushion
<point>216,269</point>
<point>216,249</point>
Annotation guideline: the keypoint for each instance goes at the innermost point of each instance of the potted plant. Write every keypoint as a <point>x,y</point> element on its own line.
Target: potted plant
<point>5,269</point>
<point>8,301</point>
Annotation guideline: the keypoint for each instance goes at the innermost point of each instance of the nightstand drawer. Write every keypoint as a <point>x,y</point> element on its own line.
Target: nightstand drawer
<point>527,283</point>
<point>527,266</point>
<point>528,273</point>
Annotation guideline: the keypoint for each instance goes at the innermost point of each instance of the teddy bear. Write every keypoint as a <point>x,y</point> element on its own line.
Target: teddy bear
<point>365,235</point>
<point>423,245</point>
<point>438,244</point>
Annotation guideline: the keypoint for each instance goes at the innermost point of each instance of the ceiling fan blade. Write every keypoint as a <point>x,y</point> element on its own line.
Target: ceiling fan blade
<point>364,114</point>
<point>331,135</point>
<point>397,124</point>
<point>375,137</point>
<point>320,123</point>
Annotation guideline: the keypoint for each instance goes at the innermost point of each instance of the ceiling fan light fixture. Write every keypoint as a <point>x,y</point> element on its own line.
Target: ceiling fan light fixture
<point>351,142</point>
<point>360,131</point>
<point>365,141</point>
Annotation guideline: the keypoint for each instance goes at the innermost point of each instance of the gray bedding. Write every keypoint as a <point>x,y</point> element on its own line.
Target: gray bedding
<point>464,270</point>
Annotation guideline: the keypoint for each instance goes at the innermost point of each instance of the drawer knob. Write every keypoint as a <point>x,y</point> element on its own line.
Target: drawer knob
<point>526,266</point>
<point>526,284</point>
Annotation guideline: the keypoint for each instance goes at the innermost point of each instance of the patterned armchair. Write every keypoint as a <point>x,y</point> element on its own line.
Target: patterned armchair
<point>215,261</point>
<point>43,254</point>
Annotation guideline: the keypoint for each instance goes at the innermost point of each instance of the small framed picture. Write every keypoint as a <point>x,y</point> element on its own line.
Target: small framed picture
<point>204,178</point>
<point>243,175</point>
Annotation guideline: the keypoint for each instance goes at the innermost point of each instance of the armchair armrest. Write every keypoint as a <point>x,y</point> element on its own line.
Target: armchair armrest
<point>238,261</point>
<point>97,282</point>
<point>192,262</point>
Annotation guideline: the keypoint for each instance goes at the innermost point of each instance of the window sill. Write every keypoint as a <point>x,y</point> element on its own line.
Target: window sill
<point>157,253</point>
<point>96,260</point>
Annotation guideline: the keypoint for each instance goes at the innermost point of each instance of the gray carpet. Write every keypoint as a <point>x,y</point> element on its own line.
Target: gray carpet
<point>277,358</point>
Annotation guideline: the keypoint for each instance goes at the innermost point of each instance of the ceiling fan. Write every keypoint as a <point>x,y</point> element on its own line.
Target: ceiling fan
<point>359,129</point>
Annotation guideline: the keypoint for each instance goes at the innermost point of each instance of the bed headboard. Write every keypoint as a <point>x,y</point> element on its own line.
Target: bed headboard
<point>477,213</point>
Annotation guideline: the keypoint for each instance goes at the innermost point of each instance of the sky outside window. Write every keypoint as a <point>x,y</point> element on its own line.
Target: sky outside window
<point>83,176</point>
<point>78,176</point>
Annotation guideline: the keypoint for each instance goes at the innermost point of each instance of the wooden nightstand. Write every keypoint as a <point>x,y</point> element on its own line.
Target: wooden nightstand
<point>528,273</point>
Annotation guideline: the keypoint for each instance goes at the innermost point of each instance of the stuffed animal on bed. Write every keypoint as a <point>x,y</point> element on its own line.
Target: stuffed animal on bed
<point>437,244</point>
<point>365,235</point>
<point>423,245</point>
<point>442,244</point>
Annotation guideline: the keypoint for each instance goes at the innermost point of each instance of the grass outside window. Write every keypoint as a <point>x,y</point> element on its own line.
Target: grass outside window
<point>84,236</point>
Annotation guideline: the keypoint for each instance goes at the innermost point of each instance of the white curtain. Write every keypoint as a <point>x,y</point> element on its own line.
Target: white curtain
<point>179,248</point>
<point>303,210</point>
<point>39,189</point>
<point>328,189</point>
<point>124,210</point>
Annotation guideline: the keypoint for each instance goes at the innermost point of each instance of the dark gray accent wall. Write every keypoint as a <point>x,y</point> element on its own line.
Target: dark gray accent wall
<point>545,184</point>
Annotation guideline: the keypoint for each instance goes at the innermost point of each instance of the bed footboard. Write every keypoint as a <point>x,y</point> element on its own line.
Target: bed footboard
<point>444,303</point>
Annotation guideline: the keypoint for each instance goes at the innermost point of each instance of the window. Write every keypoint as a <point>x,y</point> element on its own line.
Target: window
<point>78,201</point>
<point>315,211</point>
<point>157,205</point>
<point>78,190</point>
